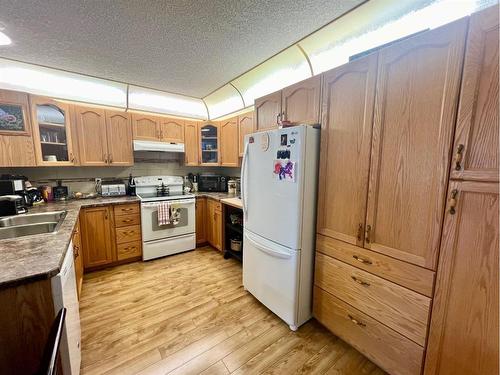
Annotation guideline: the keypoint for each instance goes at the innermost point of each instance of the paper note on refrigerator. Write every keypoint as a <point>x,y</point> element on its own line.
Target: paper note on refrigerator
<point>284,170</point>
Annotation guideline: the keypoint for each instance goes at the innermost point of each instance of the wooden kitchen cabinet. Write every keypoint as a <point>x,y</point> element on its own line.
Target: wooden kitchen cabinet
<point>52,132</point>
<point>97,236</point>
<point>464,328</point>
<point>16,139</point>
<point>92,136</point>
<point>209,144</point>
<point>119,136</point>
<point>346,132</point>
<point>267,111</point>
<point>201,220</point>
<point>476,155</point>
<point>300,102</point>
<point>171,130</point>
<point>145,127</point>
<point>229,154</point>
<point>214,223</point>
<point>191,144</point>
<point>77,251</point>
<point>246,126</point>
<point>414,117</point>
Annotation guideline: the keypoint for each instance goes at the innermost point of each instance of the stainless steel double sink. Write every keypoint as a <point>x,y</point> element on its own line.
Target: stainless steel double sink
<point>30,224</point>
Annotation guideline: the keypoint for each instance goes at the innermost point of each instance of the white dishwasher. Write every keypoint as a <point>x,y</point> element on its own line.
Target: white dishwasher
<point>64,295</point>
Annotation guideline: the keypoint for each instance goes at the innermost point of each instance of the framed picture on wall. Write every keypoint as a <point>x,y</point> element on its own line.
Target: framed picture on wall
<point>12,118</point>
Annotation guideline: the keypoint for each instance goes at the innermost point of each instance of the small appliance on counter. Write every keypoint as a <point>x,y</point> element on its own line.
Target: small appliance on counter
<point>13,198</point>
<point>12,205</point>
<point>113,189</point>
<point>212,183</point>
<point>60,192</point>
<point>231,186</point>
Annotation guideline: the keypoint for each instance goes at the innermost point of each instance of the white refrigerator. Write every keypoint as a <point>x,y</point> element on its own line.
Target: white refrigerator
<point>279,182</point>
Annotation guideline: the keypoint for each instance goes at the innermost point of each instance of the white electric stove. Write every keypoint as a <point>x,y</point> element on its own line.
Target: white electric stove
<point>175,237</point>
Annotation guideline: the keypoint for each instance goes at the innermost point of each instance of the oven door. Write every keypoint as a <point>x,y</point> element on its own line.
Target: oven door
<point>152,231</point>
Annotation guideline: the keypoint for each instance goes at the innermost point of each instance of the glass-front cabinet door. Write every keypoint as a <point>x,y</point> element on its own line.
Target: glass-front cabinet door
<point>52,132</point>
<point>209,144</point>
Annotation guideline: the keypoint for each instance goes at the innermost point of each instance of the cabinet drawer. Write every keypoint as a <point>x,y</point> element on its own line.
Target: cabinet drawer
<point>387,348</point>
<point>129,250</point>
<point>128,234</point>
<point>126,209</point>
<point>127,220</point>
<point>413,277</point>
<point>401,309</point>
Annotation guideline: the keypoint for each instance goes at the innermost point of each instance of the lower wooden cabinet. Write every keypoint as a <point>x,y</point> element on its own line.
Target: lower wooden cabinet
<point>78,254</point>
<point>463,336</point>
<point>214,223</point>
<point>201,213</point>
<point>110,234</point>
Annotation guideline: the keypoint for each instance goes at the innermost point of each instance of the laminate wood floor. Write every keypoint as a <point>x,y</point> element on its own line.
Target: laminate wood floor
<point>189,314</point>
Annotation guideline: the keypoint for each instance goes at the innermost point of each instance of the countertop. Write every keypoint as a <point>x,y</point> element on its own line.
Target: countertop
<point>235,202</point>
<point>215,195</point>
<point>40,256</point>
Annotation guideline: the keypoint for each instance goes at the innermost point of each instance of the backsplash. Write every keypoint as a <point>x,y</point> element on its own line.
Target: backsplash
<point>82,178</point>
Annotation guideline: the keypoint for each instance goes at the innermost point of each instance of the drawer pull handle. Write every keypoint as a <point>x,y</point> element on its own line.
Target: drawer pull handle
<point>453,201</point>
<point>360,232</point>
<point>458,157</point>
<point>360,282</point>
<point>355,321</point>
<point>367,234</point>
<point>127,220</point>
<point>127,209</point>
<point>362,260</point>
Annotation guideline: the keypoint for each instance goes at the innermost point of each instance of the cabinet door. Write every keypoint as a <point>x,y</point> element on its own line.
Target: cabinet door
<point>209,221</point>
<point>92,142</point>
<point>209,144</point>
<point>97,236</point>
<point>119,135</point>
<point>246,126</point>
<point>267,110</point>
<point>77,249</point>
<point>476,138</point>
<point>201,214</point>
<point>464,327</point>
<point>300,103</point>
<point>52,132</point>
<point>145,127</point>
<point>191,144</point>
<point>16,140</point>
<point>346,132</point>
<point>172,130</point>
<point>217,230</point>
<point>415,106</point>
<point>229,142</point>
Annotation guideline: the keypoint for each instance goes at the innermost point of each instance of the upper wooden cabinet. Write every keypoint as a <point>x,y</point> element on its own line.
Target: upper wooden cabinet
<point>267,111</point>
<point>171,130</point>
<point>16,141</point>
<point>346,132</point>
<point>209,149</point>
<point>119,136</point>
<point>300,103</point>
<point>246,126</point>
<point>476,155</point>
<point>104,137</point>
<point>464,327</point>
<point>52,132</point>
<point>145,127</point>
<point>229,142</point>
<point>414,118</point>
<point>92,139</point>
<point>191,144</point>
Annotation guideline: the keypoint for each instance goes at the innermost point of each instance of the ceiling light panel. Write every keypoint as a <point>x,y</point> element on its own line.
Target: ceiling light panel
<point>143,99</point>
<point>4,39</point>
<point>223,101</point>
<point>59,84</point>
<point>284,69</point>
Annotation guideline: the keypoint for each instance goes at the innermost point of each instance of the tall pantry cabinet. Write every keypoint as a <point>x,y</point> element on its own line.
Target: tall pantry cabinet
<point>387,135</point>
<point>464,328</point>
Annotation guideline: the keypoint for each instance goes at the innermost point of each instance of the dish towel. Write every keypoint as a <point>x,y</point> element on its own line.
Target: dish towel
<point>163,213</point>
<point>175,214</point>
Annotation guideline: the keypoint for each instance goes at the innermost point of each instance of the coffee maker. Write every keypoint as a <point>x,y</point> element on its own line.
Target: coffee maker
<point>13,197</point>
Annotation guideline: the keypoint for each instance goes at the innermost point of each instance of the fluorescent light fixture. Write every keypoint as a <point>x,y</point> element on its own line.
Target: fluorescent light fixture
<point>4,39</point>
<point>284,69</point>
<point>223,101</point>
<point>59,84</point>
<point>143,99</point>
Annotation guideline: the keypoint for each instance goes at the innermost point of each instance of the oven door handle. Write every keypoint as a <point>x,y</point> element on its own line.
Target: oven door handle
<point>172,202</point>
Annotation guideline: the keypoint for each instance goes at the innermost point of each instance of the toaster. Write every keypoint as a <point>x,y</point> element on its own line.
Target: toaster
<point>108,190</point>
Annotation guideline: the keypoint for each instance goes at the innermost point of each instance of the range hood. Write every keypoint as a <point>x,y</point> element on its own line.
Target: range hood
<point>158,146</point>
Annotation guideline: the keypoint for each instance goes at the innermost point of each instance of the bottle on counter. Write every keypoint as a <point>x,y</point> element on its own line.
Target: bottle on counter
<point>131,185</point>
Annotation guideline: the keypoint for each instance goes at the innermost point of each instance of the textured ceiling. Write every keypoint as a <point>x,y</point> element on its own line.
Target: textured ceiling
<point>188,47</point>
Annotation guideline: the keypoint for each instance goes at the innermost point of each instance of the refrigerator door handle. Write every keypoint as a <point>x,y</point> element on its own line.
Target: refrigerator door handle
<point>244,179</point>
<point>267,250</point>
